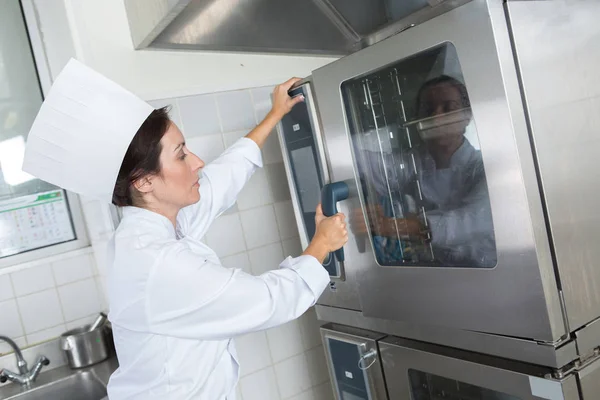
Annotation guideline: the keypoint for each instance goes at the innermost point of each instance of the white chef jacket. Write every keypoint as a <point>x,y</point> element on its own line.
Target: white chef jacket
<point>174,308</point>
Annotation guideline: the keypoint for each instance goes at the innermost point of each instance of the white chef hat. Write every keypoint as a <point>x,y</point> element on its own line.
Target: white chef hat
<point>447,63</point>
<point>82,131</point>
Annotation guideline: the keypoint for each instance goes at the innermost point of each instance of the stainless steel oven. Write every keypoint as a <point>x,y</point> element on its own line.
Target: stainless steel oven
<point>467,144</point>
<point>420,371</point>
<point>353,362</point>
<point>365,365</point>
<point>423,129</point>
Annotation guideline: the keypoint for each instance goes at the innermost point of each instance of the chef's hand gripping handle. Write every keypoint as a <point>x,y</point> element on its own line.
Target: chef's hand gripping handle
<point>330,195</point>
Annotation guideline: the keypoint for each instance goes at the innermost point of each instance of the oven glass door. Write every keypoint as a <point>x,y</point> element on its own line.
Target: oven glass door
<point>419,164</point>
<point>418,371</point>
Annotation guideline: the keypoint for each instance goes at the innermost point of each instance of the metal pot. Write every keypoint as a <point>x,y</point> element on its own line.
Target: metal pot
<point>84,347</point>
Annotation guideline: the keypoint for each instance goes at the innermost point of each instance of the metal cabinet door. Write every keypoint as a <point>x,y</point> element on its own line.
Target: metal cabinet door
<point>417,371</point>
<point>307,172</point>
<point>353,363</point>
<point>517,295</point>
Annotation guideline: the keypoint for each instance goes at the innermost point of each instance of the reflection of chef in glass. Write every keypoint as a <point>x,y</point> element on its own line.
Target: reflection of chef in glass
<point>451,179</point>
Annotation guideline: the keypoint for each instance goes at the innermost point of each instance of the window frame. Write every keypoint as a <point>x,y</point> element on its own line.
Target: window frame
<point>74,203</point>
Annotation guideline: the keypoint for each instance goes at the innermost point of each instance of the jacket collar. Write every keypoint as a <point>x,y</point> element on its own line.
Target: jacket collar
<point>141,217</point>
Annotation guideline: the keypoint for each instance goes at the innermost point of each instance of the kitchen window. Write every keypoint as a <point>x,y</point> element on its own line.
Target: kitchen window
<point>37,219</point>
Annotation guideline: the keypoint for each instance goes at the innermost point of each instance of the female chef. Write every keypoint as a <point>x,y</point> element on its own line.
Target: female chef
<point>174,308</point>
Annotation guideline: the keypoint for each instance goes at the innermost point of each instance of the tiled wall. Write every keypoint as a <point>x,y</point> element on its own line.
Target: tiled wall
<point>41,302</point>
<point>286,362</point>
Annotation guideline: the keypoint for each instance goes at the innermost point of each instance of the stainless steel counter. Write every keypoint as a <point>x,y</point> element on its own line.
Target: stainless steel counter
<point>64,382</point>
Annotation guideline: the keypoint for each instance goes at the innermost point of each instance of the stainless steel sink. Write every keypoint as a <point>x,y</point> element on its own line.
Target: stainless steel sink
<point>59,384</point>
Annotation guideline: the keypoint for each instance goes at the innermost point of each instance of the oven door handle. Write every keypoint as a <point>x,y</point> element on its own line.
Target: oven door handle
<point>330,195</point>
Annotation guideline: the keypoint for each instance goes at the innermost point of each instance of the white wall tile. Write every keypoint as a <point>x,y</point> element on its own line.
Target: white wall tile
<point>208,148</point>
<point>261,98</point>
<point>225,236</point>
<point>6,290</point>
<point>292,247</point>
<point>285,341</point>
<point>103,291</point>
<point>256,193</point>
<point>253,352</point>
<point>98,219</point>
<point>308,395</point>
<point>260,226</point>
<point>310,327</point>
<point>317,366</point>
<point>266,258</point>
<point>32,280</point>
<point>231,210</point>
<point>100,257</point>
<point>79,299</point>
<point>5,348</point>
<point>292,376</point>
<point>324,391</point>
<point>286,220</point>
<point>231,137</point>
<point>173,109</point>
<point>261,385</point>
<point>72,269</point>
<point>240,260</point>
<point>10,324</point>
<point>236,110</point>
<point>46,334</point>
<point>199,115</point>
<point>272,149</point>
<point>40,311</point>
<point>278,182</point>
<point>78,323</point>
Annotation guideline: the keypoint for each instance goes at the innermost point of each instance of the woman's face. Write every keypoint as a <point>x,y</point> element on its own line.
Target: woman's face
<point>438,100</point>
<point>177,185</point>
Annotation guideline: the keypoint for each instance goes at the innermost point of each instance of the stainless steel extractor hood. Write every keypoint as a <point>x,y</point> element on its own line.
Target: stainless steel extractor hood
<point>327,27</point>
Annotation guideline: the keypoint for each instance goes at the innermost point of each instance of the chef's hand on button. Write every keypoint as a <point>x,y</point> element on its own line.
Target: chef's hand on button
<point>282,102</point>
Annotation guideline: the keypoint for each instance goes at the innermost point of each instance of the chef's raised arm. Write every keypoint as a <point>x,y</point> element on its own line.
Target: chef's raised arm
<point>189,297</point>
<point>221,182</point>
<point>224,178</point>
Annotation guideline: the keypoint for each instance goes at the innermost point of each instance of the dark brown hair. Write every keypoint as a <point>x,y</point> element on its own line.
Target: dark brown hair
<point>142,157</point>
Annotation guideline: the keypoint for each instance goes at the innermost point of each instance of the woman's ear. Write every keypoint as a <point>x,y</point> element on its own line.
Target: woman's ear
<point>143,185</point>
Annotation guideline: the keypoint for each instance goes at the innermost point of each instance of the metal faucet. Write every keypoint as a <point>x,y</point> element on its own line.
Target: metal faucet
<point>25,376</point>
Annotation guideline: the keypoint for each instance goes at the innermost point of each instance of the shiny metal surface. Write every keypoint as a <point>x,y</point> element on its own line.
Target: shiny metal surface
<point>331,27</point>
<point>501,346</point>
<point>367,341</point>
<point>511,379</point>
<point>84,347</point>
<point>50,350</point>
<point>275,26</point>
<point>316,128</point>
<point>148,18</point>
<point>21,363</point>
<point>75,387</point>
<point>519,297</point>
<point>342,292</point>
<point>25,376</point>
<point>64,383</point>
<point>587,338</point>
<point>406,21</point>
<point>558,46</point>
<point>589,381</point>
